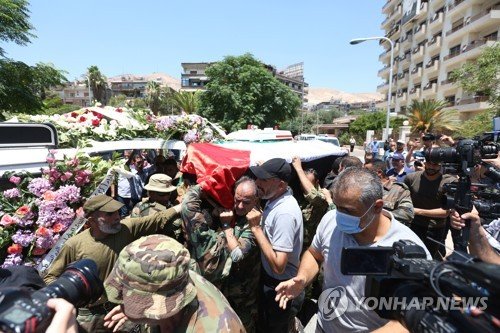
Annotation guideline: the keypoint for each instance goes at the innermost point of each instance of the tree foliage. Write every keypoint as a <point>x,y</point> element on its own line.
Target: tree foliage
<point>482,122</point>
<point>23,87</point>
<point>482,75</point>
<point>14,24</point>
<point>429,116</point>
<point>242,91</point>
<point>186,101</point>
<point>98,84</point>
<point>375,121</point>
<point>154,96</point>
<point>305,121</point>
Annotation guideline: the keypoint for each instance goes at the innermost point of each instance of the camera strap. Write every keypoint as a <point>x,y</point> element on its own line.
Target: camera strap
<point>75,227</point>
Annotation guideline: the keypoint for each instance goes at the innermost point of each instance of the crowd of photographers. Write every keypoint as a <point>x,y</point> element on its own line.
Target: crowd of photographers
<point>173,260</point>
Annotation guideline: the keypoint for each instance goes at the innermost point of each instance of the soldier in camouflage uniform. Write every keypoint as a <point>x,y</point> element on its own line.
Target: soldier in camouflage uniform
<point>316,203</point>
<point>152,283</point>
<point>160,191</point>
<point>397,196</point>
<point>228,258</point>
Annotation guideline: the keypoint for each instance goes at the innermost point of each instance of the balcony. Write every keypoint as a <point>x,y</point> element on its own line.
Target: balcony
<point>383,88</point>
<point>424,6</point>
<point>384,71</point>
<point>457,7</point>
<point>470,51</point>
<point>436,21</point>
<point>447,85</point>
<point>429,89</point>
<point>471,105</point>
<point>402,96</point>
<point>394,31</point>
<point>420,31</point>
<point>489,18</point>
<point>384,56</point>
<point>434,43</point>
<point>416,73</point>
<point>387,6</point>
<point>432,67</point>
<point>415,93</point>
<point>417,53</point>
<point>405,39</point>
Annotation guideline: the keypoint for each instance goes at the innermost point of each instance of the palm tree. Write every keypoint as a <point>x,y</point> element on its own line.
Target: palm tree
<point>186,101</point>
<point>429,116</point>
<point>98,83</point>
<point>154,95</point>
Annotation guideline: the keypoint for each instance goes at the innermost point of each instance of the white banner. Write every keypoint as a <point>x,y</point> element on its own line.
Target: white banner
<point>73,229</point>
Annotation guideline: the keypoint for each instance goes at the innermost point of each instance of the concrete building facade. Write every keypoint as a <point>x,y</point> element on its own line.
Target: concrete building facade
<point>432,38</point>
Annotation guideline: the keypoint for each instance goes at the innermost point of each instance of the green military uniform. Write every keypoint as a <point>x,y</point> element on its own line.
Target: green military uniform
<point>152,281</point>
<point>397,200</point>
<point>147,208</point>
<point>105,253</point>
<point>237,280</point>
<point>313,207</point>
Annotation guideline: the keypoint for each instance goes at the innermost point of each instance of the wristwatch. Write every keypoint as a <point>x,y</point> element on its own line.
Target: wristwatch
<point>226,226</point>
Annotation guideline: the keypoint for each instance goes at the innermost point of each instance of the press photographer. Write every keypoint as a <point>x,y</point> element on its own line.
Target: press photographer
<point>25,310</point>
<point>426,295</point>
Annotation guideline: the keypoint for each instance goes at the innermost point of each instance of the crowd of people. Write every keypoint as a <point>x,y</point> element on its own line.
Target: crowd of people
<point>173,260</point>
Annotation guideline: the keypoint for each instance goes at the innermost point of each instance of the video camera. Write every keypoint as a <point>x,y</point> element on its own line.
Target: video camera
<point>426,295</point>
<point>23,311</point>
<point>460,196</point>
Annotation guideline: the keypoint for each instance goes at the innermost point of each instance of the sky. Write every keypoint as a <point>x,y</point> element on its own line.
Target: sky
<point>143,37</point>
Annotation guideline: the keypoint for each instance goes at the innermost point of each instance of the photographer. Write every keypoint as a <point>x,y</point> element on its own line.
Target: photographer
<point>358,220</point>
<point>479,245</point>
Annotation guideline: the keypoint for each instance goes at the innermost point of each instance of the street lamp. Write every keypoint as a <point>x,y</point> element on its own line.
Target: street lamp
<point>361,40</point>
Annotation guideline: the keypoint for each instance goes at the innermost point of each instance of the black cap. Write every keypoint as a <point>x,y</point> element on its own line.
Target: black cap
<point>273,168</point>
<point>429,136</point>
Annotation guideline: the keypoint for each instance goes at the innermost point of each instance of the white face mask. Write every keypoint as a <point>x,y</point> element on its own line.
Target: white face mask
<point>110,228</point>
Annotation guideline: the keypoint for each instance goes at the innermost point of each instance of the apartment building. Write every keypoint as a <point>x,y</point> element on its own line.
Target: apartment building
<point>193,77</point>
<point>132,85</point>
<point>431,39</point>
<point>76,93</point>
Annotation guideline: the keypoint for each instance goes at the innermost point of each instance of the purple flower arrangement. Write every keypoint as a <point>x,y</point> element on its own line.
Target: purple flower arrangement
<point>35,212</point>
<point>187,127</point>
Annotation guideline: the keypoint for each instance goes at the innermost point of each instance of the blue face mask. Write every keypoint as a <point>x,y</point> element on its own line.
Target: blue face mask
<point>350,224</point>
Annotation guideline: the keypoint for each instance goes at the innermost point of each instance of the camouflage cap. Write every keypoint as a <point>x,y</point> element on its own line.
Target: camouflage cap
<point>101,203</point>
<point>151,278</point>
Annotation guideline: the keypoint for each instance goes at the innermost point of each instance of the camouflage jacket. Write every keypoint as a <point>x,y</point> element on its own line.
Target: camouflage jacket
<point>313,207</point>
<point>397,200</point>
<point>208,246</point>
<point>147,208</point>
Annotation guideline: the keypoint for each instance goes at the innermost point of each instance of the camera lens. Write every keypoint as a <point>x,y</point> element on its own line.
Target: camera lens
<point>79,284</point>
<point>489,151</point>
<point>446,155</point>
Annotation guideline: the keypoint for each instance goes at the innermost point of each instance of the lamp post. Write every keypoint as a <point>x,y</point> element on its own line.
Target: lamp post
<point>361,40</point>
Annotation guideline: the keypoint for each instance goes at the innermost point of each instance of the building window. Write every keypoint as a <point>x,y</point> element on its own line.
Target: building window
<point>185,82</point>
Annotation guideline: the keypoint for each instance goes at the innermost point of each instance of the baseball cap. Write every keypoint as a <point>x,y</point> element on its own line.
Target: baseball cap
<point>400,142</point>
<point>151,278</point>
<point>160,183</point>
<point>273,168</point>
<point>398,157</point>
<point>102,203</point>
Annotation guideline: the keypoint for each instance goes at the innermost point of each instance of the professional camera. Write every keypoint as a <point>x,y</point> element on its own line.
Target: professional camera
<point>23,311</point>
<point>426,295</point>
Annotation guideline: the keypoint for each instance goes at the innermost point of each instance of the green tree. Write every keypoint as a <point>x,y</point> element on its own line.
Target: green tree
<point>154,95</point>
<point>482,75</point>
<point>482,122</point>
<point>372,121</point>
<point>23,87</point>
<point>98,84</point>
<point>242,91</point>
<point>186,101</point>
<point>429,116</point>
<point>14,24</point>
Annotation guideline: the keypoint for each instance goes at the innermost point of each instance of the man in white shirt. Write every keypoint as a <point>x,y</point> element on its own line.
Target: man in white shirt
<point>359,220</point>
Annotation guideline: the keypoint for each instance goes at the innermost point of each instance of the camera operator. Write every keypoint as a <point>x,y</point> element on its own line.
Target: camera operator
<point>426,188</point>
<point>359,220</point>
<point>479,245</point>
